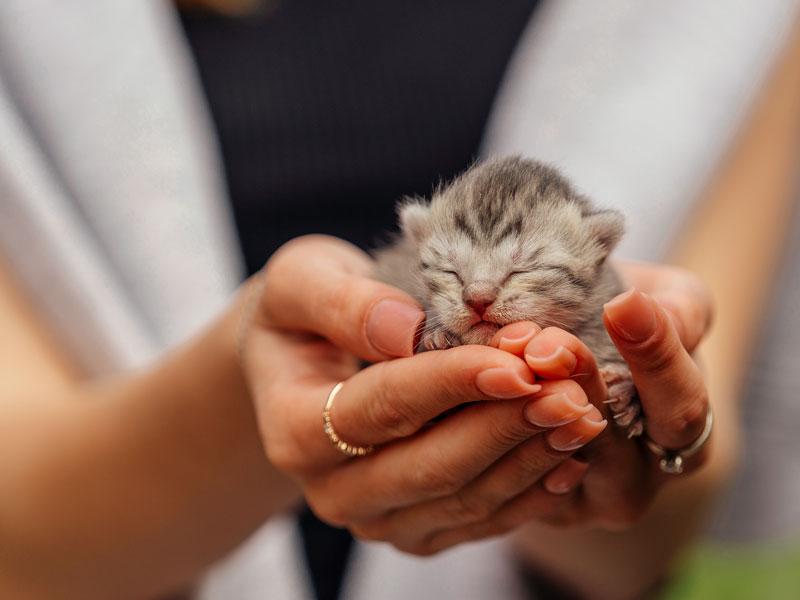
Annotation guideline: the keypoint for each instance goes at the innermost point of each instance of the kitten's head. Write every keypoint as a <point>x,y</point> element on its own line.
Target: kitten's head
<point>509,240</point>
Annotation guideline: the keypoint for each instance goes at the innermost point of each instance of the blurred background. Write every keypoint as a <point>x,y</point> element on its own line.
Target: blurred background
<point>684,114</point>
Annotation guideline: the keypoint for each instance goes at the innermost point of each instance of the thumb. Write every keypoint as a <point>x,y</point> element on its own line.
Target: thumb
<point>321,285</point>
<point>670,385</point>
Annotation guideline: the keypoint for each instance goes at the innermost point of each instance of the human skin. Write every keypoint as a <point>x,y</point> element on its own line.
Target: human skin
<point>132,525</point>
<point>732,243</point>
<point>125,486</point>
<point>100,480</point>
<point>420,490</point>
<point>116,486</point>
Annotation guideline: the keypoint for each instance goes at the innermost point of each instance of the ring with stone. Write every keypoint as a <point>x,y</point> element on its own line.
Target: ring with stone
<point>672,459</point>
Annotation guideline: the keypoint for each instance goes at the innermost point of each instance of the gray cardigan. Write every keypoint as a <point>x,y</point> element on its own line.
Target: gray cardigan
<point>113,209</point>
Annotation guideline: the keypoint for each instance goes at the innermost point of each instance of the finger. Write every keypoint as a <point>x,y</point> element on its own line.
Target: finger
<point>565,477</point>
<point>443,459</point>
<point>381,403</point>
<point>290,376</point>
<point>557,403</point>
<point>322,285</point>
<point>534,504</point>
<point>685,297</point>
<point>514,337</point>
<point>434,463</point>
<point>439,461</point>
<point>670,386</point>
<point>395,399</point>
<point>620,483</point>
<point>690,311</point>
<point>481,498</point>
<point>556,354</point>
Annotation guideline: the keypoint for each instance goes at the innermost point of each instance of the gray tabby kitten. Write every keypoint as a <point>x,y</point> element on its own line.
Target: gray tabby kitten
<point>511,240</point>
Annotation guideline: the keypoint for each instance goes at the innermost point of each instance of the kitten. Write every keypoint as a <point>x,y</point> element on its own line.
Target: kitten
<point>511,240</point>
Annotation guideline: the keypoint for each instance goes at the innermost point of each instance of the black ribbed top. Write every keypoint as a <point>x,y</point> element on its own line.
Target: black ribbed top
<point>329,111</point>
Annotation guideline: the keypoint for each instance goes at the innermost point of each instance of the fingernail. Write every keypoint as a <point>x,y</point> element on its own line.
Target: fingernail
<point>558,485</point>
<point>555,410</point>
<point>502,383</point>
<point>560,362</point>
<point>517,335</point>
<point>565,439</point>
<point>392,326</point>
<point>594,415</point>
<point>563,481</point>
<point>632,316</point>
<point>562,443</point>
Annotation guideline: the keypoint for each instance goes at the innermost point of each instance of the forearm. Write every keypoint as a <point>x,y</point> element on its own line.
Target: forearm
<point>130,486</point>
<point>733,245</point>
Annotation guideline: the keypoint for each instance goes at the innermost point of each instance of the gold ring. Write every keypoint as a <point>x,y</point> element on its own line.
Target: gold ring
<point>341,445</point>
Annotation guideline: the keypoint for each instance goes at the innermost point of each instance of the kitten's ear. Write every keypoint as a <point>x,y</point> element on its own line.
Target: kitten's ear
<point>414,219</point>
<point>606,227</point>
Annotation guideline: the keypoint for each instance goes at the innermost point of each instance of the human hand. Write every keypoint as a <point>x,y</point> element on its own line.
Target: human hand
<point>317,314</point>
<point>655,333</point>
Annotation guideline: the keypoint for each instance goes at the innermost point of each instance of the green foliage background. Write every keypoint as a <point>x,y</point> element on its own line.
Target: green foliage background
<point>739,573</point>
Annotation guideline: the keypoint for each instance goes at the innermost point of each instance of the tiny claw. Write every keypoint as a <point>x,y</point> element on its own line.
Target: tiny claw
<point>622,419</point>
<point>636,429</point>
<point>622,398</point>
<point>626,416</point>
<point>438,339</point>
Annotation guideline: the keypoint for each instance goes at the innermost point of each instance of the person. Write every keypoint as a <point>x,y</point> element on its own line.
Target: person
<point>117,485</point>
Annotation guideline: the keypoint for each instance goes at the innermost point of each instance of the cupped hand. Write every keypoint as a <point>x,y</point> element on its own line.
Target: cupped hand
<point>655,332</point>
<point>316,312</point>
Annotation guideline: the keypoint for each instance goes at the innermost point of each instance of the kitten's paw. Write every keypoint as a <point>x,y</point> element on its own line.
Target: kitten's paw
<point>437,339</point>
<point>623,400</point>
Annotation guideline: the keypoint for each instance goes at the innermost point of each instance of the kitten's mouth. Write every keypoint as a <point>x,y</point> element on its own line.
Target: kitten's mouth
<point>484,326</point>
<point>480,333</point>
<point>489,320</point>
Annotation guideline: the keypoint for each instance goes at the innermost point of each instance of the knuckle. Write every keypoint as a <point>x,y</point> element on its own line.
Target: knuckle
<point>283,458</point>
<point>373,531</point>
<point>328,510</point>
<point>337,297</point>
<point>659,356</point>
<point>284,447</point>
<point>535,504</point>
<point>434,479</point>
<point>386,414</point>
<point>502,436</point>
<point>534,459</point>
<point>687,421</point>
<point>467,508</point>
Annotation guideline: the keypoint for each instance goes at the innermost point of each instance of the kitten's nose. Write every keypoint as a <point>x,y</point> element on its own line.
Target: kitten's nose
<point>479,296</point>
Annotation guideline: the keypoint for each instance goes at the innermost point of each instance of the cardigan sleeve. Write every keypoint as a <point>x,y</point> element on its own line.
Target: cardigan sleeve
<point>638,101</point>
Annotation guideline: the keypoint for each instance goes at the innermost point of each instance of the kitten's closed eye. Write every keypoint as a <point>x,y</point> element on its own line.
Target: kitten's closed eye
<point>512,274</point>
<point>456,275</point>
<point>528,247</point>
